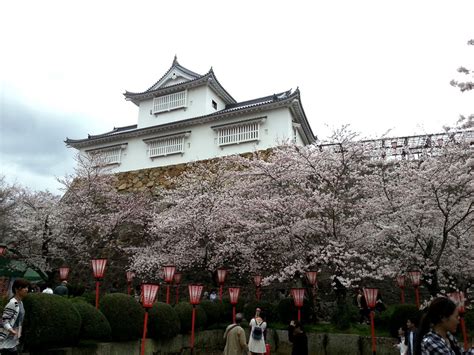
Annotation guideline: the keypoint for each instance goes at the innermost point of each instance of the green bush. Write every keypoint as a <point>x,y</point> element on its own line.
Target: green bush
<point>213,311</point>
<point>344,314</point>
<point>399,314</point>
<point>184,311</point>
<point>88,297</point>
<point>269,310</point>
<point>163,322</point>
<point>50,321</point>
<point>125,316</point>
<point>287,311</point>
<point>75,290</point>
<point>94,324</point>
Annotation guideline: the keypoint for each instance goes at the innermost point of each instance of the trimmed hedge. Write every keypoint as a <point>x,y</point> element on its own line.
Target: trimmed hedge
<point>398,315</point>
<point>50,321</point>
<point>184,311</point>
<point>94,324</point>
<point>163,322</point>
<point>125,316</point>
<point>213,311</point>
<point>344,314</point>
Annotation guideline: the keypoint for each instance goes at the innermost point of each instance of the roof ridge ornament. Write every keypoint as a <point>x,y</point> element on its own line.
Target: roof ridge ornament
<point>175,60</point>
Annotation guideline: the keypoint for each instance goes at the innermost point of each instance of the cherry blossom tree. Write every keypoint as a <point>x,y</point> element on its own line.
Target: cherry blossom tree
<point>468,84</point>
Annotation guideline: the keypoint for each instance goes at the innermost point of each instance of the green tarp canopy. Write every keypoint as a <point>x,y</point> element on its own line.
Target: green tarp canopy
<point>16,268</point>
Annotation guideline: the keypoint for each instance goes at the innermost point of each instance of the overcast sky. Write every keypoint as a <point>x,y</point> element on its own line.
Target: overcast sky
<point>377,65</point>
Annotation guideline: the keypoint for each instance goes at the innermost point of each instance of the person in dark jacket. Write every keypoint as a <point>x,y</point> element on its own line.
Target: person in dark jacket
<point>62,289</point>
<point>298,337</point>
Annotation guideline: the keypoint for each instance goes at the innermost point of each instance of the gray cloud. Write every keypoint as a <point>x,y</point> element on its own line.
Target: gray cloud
<point>31,138</point>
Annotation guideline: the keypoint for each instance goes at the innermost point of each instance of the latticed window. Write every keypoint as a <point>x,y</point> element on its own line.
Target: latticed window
<point>107,156</point>
<point>238,133</point>
<point>169,102</point>
<point>165,146</point>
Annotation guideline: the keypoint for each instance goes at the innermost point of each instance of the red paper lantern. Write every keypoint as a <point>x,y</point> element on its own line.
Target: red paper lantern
<point>177,278</point>
<point>312,277</point>
<point>401,281</point>
<point>63,273</point>
<point>130,275</point>
<point>460,300</point>
<point>415,277</point>
<point>149,292</point>
<point>257,280</point>
<point>370,295</point>
<point>234,295</point>
<point>98,267</point>
<point>298,296</point>
<point>169,272</point>
<point>221,275</point>
<point>195,294</point>
<point>3,250</point>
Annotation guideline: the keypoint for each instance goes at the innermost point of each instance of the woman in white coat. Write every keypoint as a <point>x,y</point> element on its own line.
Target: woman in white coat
<point>257,334</point>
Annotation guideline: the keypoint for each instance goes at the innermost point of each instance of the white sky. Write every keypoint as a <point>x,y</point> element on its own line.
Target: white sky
<point>377,65</point>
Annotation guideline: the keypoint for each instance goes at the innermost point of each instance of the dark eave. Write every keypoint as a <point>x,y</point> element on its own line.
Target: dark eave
<point>266,103</point>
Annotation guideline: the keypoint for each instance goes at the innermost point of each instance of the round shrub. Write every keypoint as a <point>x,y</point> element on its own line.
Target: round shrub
<point>269,310</point>
<point>344,314</point>
<point>213,311</point>
<point>94,324</point>
<point>163,322</point>
<point>184,311</point>
<point>125,316</point>
<point>287,311</point>
<point>50,321</point>
<point>399,315</point>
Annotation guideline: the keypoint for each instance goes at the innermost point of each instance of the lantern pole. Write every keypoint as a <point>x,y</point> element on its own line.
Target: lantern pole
<point>177,281</point>
<point>130,275</point>
<point>234,299</point>
<point>459,299</point>
<point>194,299</point>
<point>169,271</point>
<point>98,268</point>
<point>401,284</point>
<point>415,280</point>
<point>148,295</point>
<point>221,275</point>
<point>370,295</point>
<point>257,279</point>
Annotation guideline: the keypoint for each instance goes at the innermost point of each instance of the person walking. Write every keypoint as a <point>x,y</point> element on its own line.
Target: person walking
<point>410,336</point>
<point>437,326</point>
<point>12,318</point>
<point>234,335</point>
<point>61,289</point>
<point>257,337</point>
<point>298,338</point>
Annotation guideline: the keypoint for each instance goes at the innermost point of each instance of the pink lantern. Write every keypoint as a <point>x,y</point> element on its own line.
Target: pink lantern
<point>169,274</point>
<point>234,299</point>
<point>257,280</point>
<point>415,277</point>
<point>130,275</point>
<point>460,300</point>
<point>221,275</point>
<point>194,298</point>
<point>298,298</point>
<point>3,250</point>
<point>148,297</point>
<point>98,268</point>
<point>149,294</point>
<point>370,295</point>
<point>312,277</point>
<point>63,273</point>
<point>195,294</point>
